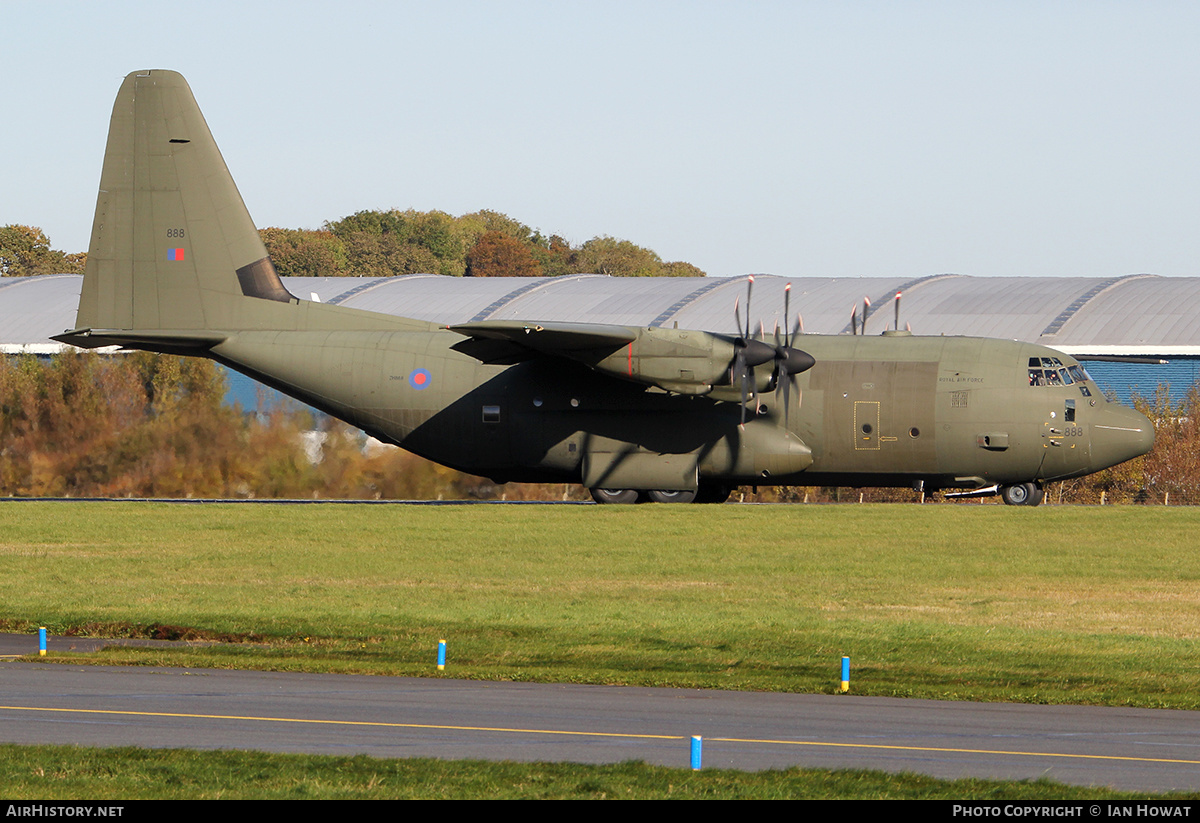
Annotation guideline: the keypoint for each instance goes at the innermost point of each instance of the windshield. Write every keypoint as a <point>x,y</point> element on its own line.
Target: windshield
<point>1050,371</point>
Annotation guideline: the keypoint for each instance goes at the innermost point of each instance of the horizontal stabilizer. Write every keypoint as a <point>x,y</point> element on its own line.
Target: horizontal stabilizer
<point>178,342</point>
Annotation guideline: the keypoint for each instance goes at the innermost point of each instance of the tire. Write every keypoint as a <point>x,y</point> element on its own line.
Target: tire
<point>614,495</point>
<point>1022,494</point>
<point>659,496</point>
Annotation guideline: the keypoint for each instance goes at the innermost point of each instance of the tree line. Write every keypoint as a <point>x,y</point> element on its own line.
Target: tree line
<point>146,425</point>
<point>480,244</point>
<point>81,424</point>
<point>25,251</point>
<point>394,242</point>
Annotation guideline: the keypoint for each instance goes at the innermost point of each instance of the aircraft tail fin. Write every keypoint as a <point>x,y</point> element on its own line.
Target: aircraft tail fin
<point>172,245</point>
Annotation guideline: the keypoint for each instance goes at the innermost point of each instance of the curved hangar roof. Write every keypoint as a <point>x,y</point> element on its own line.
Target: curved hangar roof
<point>1136,314</point>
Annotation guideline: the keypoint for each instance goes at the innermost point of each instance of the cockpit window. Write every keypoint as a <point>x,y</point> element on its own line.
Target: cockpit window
<point>1050,371</point>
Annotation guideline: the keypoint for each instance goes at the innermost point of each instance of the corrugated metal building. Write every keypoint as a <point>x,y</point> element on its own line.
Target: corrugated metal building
<point>1136,315</point>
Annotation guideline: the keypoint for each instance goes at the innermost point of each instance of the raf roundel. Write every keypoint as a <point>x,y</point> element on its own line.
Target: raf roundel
<point>419,378</point>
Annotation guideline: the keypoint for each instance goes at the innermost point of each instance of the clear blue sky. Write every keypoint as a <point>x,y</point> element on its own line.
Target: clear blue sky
<point>794,138</point>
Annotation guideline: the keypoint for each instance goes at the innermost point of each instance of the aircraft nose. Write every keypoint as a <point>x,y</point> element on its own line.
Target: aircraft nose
<point>1118,434</point>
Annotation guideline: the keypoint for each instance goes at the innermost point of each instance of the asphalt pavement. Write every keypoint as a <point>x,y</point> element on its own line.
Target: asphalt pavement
<point>438,716</point>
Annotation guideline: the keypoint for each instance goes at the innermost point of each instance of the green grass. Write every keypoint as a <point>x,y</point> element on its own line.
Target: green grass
<point>1056,604</point>
<point>68,772</point>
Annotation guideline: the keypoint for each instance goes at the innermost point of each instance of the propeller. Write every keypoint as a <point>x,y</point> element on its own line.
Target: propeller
<point>748,352</point>
<point>789,360</point>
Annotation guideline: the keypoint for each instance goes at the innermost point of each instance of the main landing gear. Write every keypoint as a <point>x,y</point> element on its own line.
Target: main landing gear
<point>614,495</point>
<point>1022,494</point>
<point>707,493</point>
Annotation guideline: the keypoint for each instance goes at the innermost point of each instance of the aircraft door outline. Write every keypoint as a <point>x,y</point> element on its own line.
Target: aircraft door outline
<point>866,425</point>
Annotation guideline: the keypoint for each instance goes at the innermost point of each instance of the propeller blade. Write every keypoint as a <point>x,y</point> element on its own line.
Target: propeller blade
<point>787,307</point>
<point>749,290</point>
<point>795,362</point>
<point>897,311</point>
<point>743,378</point>
<point>785,384</point>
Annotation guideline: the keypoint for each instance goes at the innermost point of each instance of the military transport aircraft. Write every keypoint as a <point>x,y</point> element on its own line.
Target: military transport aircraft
<point>176,265</point>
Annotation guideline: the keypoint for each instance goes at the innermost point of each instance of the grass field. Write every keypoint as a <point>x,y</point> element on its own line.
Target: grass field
<point>1055,604</point>
<point>70,773</point>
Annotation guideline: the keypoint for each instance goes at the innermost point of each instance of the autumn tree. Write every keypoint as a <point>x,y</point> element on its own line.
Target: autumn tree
<point>497,255</point>
<point>476,224</point>
<point>553,253</point>
<point>381,243</point>
<point>25,251</point>
<point>621,258</point>
<point>680,269</point>
<point>305,253</point>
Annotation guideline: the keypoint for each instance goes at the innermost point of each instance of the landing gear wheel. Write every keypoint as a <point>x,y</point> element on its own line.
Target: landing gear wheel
<point>715,493</point>
<point>1022,494</point>
<point>660,496</point>
<point>614,495</point>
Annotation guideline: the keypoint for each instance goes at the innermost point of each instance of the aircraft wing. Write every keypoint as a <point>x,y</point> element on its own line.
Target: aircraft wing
<point>551,338</point>
<point>675,360</point>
